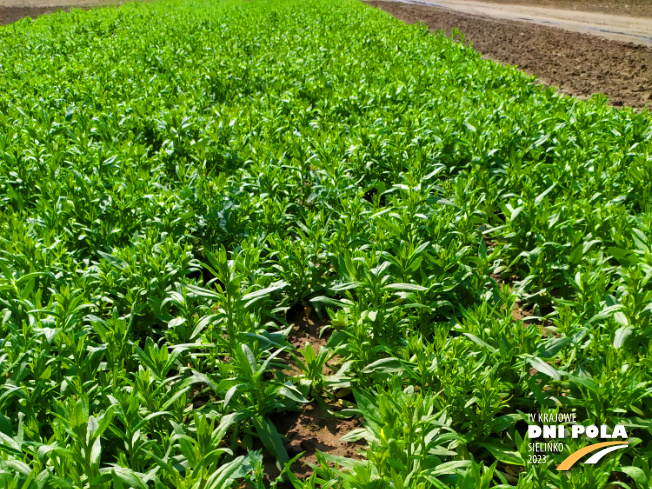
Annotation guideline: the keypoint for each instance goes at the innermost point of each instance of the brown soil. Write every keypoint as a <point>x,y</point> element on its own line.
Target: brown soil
<point>11,11</point>
<point>12,14</point>
<point>309,431</point>
<point>313,428</point>
<point>58,3</point>
<point>529,319</point>
<point>518,313</point>
<point>306,328</point>
<point>577,64</point>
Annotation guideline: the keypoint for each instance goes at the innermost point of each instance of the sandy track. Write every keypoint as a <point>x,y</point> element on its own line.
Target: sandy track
<point>616,27</point>
<point>636,8</point>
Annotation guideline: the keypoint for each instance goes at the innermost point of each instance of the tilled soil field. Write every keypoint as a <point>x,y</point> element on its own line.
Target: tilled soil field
<point>577,64</point>
<point>12,14</point>
<point>13,10</point>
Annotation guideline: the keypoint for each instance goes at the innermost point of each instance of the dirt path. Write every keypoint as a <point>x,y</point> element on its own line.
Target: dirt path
<point>12,14</point>
<point>610,26</point>
<point>578,64</point>
<point>636,8</point>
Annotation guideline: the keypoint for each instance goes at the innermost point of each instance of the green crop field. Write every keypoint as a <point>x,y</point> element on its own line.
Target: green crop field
<point>181,180</point>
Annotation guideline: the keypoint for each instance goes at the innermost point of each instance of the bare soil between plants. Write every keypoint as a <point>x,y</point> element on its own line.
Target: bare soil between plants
<point>577,64</point>
<point>312,428</point>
